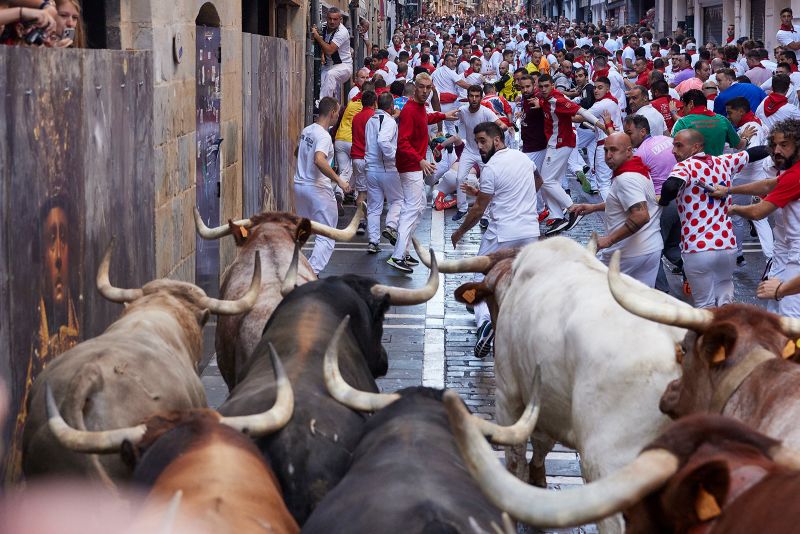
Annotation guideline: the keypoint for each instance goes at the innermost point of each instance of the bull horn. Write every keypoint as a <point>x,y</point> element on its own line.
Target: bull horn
<point>520,431</point>
<point>555,509</point>
<point>632,299</point>
<point>290,280</point>
<point>275,418</point>
<point>591,246</point>
<point>243,304</point>
<point>87,441</point>
<point>114,294</point>
<point>220,231</point>
<point>343,392</point>
<point>785,457</point>
<point>345,234</point>
<point>476,264</point>
<point>400,296</point>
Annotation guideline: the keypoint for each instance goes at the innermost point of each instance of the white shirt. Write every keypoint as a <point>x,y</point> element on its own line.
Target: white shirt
<point>654,118</point>
<point>606,104</point>
<point>785,37</point>
<point>446,80</point>
<point>380,142</point>
<point>476,78</point>
<point>752,171</point>
<point>512,214</point>
<point>611,45</point>
<point>353,92</point>
<point>314,138</point>
<point>627,189</point>
<point>618,87</point>
<point>787,111</point>
<point>792,94</point>
<point>467,121</point>
<point>342,40</point>
<point>628,53</point>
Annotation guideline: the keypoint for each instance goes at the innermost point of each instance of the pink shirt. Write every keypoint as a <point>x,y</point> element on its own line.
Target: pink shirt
<point>656,153</point>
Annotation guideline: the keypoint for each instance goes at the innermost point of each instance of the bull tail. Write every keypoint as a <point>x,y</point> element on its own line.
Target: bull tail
<point>83,385</point>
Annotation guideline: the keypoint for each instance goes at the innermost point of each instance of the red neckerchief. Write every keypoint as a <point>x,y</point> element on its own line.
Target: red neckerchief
<point>701,110</point>
<point>787,27</point>
<point>729,40</point>
<point>793,67</point>
<point>691,52</point>
<point>609,96</point>
<point>649,64</point>
<point>712,97</point>
<point>635,164</point>
<point>468,72</point>
<point>773,103</point>
<point>382,65</point>
<point>643,79</point>
<point>600,73</point>
<point>477,53</point>
<point>357,97</point>
<point>397,47</point>
<point>748,117</point>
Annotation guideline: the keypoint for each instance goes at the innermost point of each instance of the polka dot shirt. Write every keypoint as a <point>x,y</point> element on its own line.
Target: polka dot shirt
<point>705,224</point>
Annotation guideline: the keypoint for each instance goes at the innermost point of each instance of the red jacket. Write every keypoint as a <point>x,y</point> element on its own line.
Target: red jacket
<point>360,119</point>
<point>412,135</point>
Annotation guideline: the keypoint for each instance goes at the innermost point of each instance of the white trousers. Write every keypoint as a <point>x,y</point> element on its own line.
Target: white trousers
<point>553,169</point>
<point>788,306</point>
<point>343,161</point>
<point>468,159</point>
<point>489,245</point>
<point>448,183</point>
<point>317,204</point>
<point>741,229</point>
<point>710,276</point>
<point>332,79</point>
<point>538,160</point>
<point>413,206</point>
<point>380,184</point>
<point>642,268</point>
<point>450,126</point>
<point>600,174</point>
<point>360,175</point>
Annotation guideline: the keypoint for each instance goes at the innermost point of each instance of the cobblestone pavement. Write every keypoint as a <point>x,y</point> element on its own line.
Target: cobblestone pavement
<point>432,344</point>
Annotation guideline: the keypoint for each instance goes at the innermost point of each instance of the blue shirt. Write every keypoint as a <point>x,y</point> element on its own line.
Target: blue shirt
<point>752,93</point>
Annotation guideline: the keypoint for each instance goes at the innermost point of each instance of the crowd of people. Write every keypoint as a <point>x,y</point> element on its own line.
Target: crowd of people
<point>50,23</point>
<point>683,149</point>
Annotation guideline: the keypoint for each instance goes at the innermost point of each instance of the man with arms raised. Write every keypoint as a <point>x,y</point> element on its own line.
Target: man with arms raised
<point>632,213</point>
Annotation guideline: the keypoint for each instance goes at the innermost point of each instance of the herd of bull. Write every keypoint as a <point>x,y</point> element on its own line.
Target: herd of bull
<point>583,355</point>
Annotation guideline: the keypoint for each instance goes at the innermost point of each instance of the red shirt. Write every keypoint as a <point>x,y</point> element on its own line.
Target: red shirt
<point>787,189</point>
<point>359,128</point>
<point>412,135</point>
<point>558,113</point>
<point>644,80</point>
<point>662,105</point>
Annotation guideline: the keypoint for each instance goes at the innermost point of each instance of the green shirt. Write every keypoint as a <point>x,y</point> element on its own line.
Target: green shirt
<point>716,130</point>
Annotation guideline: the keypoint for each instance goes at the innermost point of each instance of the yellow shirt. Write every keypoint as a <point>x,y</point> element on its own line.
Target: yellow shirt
<point>345,130</point>
<point>544,66</point>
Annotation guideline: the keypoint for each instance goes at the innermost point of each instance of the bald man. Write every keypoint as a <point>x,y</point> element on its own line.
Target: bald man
<point>632,213</point>
<point>708,244</point>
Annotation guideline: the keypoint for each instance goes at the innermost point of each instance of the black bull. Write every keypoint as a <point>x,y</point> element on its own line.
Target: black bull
<point>311,454</point>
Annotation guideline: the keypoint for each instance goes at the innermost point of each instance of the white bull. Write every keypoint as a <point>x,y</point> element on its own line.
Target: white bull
<point>603,369</point>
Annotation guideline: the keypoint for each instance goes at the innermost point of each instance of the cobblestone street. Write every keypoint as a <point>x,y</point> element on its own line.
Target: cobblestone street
<point>432,344</point>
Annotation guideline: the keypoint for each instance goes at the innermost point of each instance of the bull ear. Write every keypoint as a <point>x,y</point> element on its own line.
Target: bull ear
<point>303,231</point>
<point>717,343</point>
<point>238,232</point>
<point>472,292</point>
<point>696,494</point>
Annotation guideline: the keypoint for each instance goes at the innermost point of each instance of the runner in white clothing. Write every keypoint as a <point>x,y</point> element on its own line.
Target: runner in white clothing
<point>508,191</point>
<point>470,116</point>
<point>313,190</point>
<point>605,107</point>
<point>448,84</point>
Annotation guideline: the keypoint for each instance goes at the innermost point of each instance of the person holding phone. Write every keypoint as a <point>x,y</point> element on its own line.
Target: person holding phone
<point>69,31</point>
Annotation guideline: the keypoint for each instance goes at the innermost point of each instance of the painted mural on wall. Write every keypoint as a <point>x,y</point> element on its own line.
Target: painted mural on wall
<point>53,326</point>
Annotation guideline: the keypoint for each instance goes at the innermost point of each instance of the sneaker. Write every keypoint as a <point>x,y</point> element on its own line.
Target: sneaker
<point>484,223</point>
<point>585,185</point>
<point>556,226</point>
<point>339,204</point>
<point>373,248</point>
<point>390,234</point>
<point>438,201</point>
<point>753,231</point>
<point>459,215</point>
<point>448,204</point>
<point>568,192</point>
<point>573,219</point>
<point>485,337</point>
<point>400,265</point>
<point>411,260</point>
<point>740,261</point>
<point>362,227</point>
<point>544,214</point>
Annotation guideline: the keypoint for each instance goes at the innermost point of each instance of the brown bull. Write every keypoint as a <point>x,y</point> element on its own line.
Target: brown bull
<point>224,482</point>
<point>273,235</point>
<point>734,361</point>
<point>705,473</point>
<point>145,363</point>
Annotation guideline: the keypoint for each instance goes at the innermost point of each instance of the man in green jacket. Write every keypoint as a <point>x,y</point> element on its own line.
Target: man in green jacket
<point>716,129</point>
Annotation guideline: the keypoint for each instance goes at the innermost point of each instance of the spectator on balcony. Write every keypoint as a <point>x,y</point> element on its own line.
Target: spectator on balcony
<point>18,21</point>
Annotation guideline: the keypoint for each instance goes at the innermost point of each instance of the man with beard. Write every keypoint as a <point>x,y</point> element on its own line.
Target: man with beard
<point>708,244</point>
<point>780,193</point>
<point>508,192</point>
<point>632,213</point>
<point>469,117</point>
